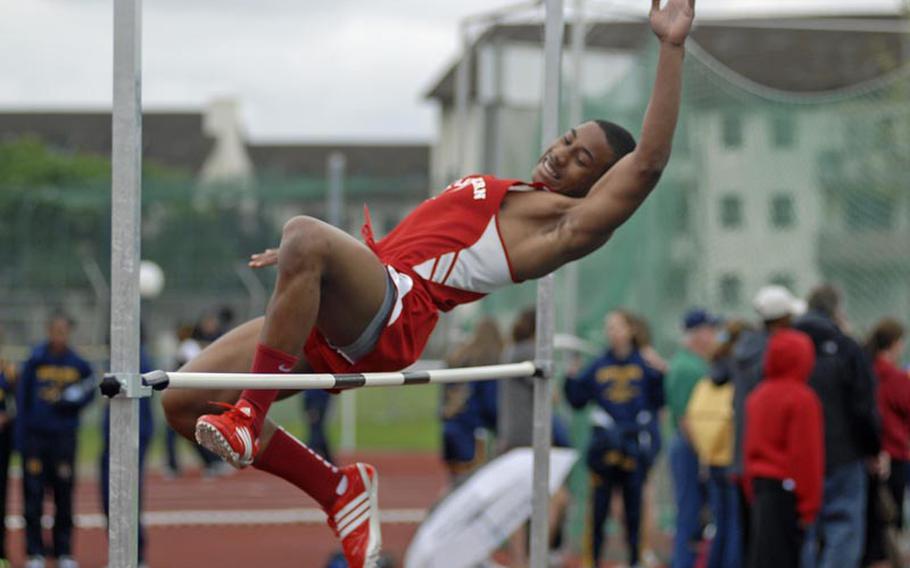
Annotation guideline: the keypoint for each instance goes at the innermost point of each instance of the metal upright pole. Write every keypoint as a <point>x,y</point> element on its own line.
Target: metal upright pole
<point>553,36</point>
<point>126,157</point>
<point>462,92</point>
<point>576,111</point>
<point>335,203</point>
<point>335,168</point>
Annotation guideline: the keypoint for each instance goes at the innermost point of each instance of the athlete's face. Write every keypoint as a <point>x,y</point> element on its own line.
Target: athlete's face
<point>574,161</point>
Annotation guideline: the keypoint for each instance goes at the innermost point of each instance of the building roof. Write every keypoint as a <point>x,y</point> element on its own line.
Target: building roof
<point>172,139</point>
<point>798,54</point>
<point>367,160</point>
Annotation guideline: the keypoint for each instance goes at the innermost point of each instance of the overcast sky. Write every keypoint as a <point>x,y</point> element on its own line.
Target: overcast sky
<point>301,69</point>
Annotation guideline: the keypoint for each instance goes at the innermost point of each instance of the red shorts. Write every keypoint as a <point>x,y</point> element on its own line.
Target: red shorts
<point>411,321</point>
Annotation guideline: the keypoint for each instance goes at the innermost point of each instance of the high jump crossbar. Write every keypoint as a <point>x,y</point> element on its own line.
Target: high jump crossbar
<point>160,380</point>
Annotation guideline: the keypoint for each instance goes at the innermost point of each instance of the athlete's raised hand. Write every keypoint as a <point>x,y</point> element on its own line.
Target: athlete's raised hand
<point>672,23</point>
<point>268,257</point>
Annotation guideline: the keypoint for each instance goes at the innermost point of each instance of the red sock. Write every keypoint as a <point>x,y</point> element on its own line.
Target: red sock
<point>291,460</point>
<point>272,361</point>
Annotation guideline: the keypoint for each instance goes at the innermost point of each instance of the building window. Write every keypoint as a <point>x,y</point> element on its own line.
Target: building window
<point>731,212</point>
<point>732,131</point>
<point>783,211</point>
<point>731,290</point>
<point>682,219</point>
<point>783,131</point>
<point>784,279</point>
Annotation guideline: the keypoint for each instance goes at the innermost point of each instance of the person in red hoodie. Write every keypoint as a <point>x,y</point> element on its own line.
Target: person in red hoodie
<point>784,452</point>
<point>885,346</point>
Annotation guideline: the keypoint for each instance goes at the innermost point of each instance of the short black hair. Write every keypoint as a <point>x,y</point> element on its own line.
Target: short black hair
<point>619,139</point>
<point>59,314</point>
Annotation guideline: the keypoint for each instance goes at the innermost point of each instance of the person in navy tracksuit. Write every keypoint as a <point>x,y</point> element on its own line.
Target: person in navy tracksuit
<point>54,386</point>
<point>7,415</point>
<point>627,392</point>
<point>467,407</point>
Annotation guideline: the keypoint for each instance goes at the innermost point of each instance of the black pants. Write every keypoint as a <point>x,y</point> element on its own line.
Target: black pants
<point>631,483</point>
<point>49,461</point>
<point>316,408</point>
<point>6,448</point>
<point>745,522</point>
<point>776,537</point>
<point>897,483</point>
<point>881,518</point>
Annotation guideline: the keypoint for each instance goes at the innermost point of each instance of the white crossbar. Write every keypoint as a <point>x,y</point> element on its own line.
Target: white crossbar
<point>336,381</point>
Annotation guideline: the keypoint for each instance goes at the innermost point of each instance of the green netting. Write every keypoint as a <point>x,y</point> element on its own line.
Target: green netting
<point>763,186</point>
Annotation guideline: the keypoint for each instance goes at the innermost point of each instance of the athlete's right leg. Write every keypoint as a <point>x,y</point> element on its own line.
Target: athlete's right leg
<point>281,454</point>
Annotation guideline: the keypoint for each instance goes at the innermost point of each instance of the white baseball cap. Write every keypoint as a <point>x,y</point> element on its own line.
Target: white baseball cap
<point>773,302</point>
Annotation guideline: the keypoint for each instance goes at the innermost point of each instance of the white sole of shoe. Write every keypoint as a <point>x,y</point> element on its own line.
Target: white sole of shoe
<point>374,545</point>
<point>211,439</point>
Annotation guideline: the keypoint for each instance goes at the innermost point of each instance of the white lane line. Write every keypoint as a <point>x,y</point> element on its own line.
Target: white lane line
<point>225,518</point>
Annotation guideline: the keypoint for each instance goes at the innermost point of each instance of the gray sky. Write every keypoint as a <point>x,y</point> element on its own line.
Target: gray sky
<point>337,69</point>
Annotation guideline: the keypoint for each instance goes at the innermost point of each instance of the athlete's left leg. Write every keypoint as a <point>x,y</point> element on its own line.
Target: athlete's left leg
<point>326,279</point>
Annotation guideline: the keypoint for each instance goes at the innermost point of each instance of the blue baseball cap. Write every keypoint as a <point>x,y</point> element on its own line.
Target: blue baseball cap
<point>696,317</point>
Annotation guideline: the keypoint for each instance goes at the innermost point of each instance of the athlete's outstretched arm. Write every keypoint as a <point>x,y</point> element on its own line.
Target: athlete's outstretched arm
<point>617,194</point>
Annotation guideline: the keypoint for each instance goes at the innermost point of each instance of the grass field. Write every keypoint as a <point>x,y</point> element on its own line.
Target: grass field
<point>402,419</point>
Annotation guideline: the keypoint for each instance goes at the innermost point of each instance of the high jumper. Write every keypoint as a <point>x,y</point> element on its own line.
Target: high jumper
<point>342,306</point>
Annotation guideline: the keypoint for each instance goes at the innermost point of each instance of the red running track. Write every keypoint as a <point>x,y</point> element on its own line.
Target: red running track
<point>409,482</point>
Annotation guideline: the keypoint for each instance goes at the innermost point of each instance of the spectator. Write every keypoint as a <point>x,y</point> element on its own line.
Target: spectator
<point>776,306</point>
<point>7,425</point>
<point>188,348</point>
<point>515,425</point>
<point>709,417</point>
<point>651,533</point>
<point>626,392</point>
<point>208,329</point>
<point>146,431</point>
<point>56,384</point>
<point>226,319</point>
<point>316,405</point>
<point>843,380</point>
<point>885,346</point>
<point>515,397</point>
<point>784,453</point>
<point>688,366</point>
<point>462,403</point>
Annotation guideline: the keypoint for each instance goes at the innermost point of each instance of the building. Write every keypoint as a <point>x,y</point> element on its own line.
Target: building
<point>788,124</point>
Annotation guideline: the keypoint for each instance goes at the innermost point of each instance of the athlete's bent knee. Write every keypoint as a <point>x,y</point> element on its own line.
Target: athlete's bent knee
<point>304,243</point>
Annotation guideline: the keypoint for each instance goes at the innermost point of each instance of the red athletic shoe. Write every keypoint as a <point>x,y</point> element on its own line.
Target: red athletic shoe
<point>354,517</point>
<point>230,434</point>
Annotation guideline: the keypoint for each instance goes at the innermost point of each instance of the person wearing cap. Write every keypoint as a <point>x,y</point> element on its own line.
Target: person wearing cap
<point>776,306</point>
<point>689,365</point>
<point>844,381</point>
<point>784,452</point>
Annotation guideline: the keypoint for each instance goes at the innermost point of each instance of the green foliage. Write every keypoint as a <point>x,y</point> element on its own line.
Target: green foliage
<point>27,163</point>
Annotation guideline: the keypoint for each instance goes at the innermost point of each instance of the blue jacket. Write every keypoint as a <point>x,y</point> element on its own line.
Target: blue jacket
<point>52,390</point>
<point>5,391</point>
<point>621,387</point>
<point>471,405</point>
<point>628,393</point>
